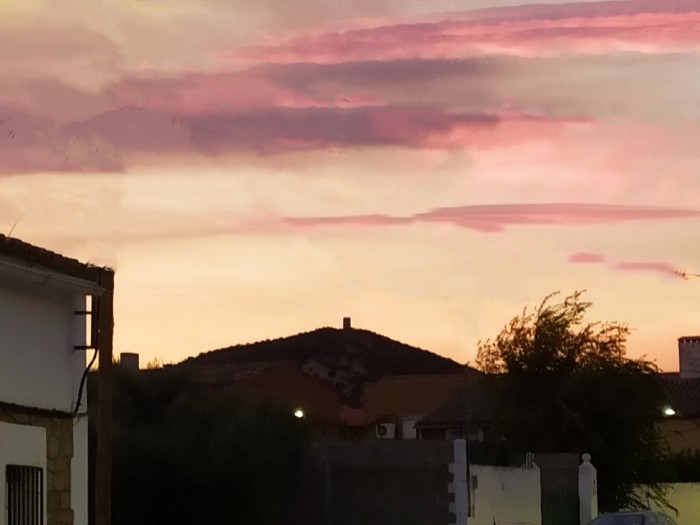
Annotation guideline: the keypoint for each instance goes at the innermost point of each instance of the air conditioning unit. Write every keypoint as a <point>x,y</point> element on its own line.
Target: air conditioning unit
<point>385,430</point>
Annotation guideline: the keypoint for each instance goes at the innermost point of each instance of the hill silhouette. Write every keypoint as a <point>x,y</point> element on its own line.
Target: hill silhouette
<point>345,358</point>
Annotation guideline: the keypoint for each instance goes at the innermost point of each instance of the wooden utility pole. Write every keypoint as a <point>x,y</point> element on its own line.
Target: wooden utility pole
<point>105,394</point>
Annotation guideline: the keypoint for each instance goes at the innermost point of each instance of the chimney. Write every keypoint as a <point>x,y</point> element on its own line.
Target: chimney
<point>346,323</point>
<point>689,357</point>
<point>129,360</point>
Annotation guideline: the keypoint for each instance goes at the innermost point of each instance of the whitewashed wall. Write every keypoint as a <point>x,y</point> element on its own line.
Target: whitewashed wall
<point>79,472</point>
<point>40,368</point>
<point>38,331</point>
<point>506,495</point>
<point>21,445</point>
<point>686,498</point>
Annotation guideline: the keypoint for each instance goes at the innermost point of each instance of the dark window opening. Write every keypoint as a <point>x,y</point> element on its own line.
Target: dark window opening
<point>24,494</point>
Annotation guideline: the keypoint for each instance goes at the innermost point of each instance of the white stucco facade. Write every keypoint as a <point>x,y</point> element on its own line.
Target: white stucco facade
<point>21,445</point>
<point>42,321</point>
<point>39,330</point>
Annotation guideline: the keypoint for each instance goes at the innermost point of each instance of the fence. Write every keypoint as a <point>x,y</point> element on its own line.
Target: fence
<point>416,483</point>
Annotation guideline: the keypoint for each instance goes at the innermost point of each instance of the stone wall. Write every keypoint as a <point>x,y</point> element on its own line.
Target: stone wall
<point>59,453</point>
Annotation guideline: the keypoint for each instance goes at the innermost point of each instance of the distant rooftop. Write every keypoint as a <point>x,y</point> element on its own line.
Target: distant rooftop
<point>473,402</point>
<point>683,395</point>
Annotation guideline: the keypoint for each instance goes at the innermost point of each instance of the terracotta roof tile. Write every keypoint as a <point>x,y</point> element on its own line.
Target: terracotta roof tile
<point>34,256</point>
<point>683,395</point>
<point>475,401</point>
<point>409,394</point>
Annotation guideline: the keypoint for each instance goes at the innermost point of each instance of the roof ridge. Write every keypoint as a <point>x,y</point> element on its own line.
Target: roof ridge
<point>41,257</point>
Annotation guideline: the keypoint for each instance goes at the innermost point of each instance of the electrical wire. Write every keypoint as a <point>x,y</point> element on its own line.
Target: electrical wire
<point>82,382</point>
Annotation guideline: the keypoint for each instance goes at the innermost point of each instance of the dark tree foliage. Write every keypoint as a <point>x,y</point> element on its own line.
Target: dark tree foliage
<point>570,388</point>
<point>182,457</point>
<point>686,466</point>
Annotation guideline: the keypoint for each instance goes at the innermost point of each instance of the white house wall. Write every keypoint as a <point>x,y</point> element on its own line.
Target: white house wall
<point>79,471</point>
<point>38,331</point>
<point>21,445</point>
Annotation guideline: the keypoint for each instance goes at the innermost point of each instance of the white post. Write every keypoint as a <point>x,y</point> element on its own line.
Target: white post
<point>459,486</point>
<point>587,490</point>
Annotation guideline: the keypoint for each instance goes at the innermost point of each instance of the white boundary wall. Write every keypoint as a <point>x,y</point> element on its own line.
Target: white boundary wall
<point>505,495</point>
<point>686,498</point>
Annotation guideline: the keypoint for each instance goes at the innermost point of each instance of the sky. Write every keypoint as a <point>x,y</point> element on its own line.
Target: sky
<point>252,170</point>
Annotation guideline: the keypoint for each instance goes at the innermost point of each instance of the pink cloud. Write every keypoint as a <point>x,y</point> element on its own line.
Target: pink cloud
<point>276,130</point>
<point>307,85</point>
<point>662,268</point>
<point>112,140</point>
<point>585,257</point>
<point>362,220</point>
<point>542,30</point>
<point>495,218</point>
<point>658,267</point>
<point>370,87</point>
<point>108,141</point>
<point>239,92</point>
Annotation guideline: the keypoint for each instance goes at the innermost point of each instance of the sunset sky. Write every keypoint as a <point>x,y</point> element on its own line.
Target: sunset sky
<point>252,170</point>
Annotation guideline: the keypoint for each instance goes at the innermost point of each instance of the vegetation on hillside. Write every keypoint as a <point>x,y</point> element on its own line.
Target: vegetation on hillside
<point>345,359</point>
<point>385,355</point>
<point>572,389</point>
